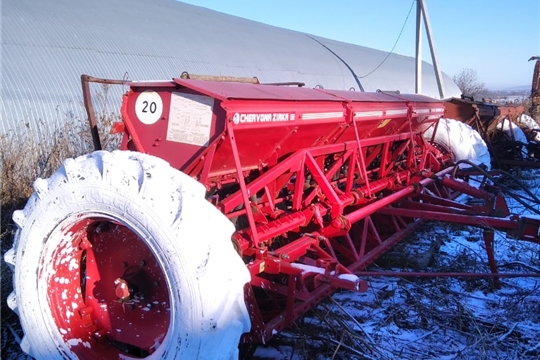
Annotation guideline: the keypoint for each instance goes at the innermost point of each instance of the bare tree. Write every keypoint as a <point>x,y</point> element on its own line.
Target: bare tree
<point>468,82</point>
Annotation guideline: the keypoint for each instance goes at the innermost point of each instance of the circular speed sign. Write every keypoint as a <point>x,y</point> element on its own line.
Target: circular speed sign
<point>148,107</point>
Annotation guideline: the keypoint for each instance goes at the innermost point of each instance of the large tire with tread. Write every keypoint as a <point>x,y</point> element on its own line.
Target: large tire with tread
<point>120,256</point>
<point>461,140</point>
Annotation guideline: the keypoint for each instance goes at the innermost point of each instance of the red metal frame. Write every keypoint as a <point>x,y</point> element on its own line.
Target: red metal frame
<point>321,193</point>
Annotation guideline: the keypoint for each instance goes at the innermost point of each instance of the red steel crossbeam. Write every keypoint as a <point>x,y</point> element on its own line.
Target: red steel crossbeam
<point>294,164</point>
<point>524,228</point>
<point>447,216</point>
<point>325,189</point>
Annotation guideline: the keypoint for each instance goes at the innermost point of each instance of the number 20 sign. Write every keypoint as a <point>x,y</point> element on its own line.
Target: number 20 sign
<point>148,107</point>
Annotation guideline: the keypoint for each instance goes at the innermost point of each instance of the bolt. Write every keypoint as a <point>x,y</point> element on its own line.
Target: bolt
<point>121,289</point>
<point>142,263</point>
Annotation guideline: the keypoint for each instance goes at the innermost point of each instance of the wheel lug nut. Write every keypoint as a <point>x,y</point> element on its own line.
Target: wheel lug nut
<point>121,289</point>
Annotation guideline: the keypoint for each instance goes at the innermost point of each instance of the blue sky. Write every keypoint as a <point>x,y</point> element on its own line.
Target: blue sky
<point>494,37</point>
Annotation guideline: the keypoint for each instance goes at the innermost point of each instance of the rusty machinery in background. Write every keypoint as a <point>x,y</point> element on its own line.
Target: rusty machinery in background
<point>499,126</point>
<point>491,120</point>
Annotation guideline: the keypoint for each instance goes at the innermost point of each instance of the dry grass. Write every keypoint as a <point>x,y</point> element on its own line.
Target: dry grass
<point>24,159</point>
<point>26,156</point>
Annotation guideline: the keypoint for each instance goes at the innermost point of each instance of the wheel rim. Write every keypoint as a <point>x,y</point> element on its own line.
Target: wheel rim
<point>444,149</point>
<point>106,290</point>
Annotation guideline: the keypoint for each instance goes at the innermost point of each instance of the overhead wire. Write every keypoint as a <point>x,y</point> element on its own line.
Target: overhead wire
<point>395,43</point>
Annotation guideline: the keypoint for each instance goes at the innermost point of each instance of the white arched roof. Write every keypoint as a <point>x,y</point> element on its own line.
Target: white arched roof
<point>47,45</point>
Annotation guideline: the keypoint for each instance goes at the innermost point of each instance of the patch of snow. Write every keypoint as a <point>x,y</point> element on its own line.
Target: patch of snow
<point>74,342</point>
<point>308,268</point>
<point>348,277</point>
<point>270,352</point>
<point>69,314</point>
<point>73,264</point>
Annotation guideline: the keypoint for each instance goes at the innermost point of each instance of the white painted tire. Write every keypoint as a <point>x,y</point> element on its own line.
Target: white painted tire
<point>188,237</point>
<point>463,141</point>
<point>527,122</point>
<point>512,132</point>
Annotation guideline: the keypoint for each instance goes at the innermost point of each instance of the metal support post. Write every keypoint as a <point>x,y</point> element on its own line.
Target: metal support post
<point>489,236</point>
<point>422,11</point>
<point>418,69</point>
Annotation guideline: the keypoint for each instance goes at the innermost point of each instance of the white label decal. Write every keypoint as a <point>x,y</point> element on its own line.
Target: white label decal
<point>396,112</point>
<point>148,107</point>
<point>368,114</point>
<point>190,119</point>
<point>322,115</point>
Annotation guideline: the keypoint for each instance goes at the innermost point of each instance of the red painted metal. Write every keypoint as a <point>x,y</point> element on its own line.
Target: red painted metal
<point>318,183</point>
<point>115,296</point>
<point>489,237</point>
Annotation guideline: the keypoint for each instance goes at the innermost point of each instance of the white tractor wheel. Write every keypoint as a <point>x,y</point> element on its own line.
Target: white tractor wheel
<point>532,127</point>
<point>462,141</point>
<point>119,256</point>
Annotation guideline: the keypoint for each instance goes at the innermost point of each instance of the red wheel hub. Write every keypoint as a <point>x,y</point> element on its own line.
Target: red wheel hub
<point>107,292</point>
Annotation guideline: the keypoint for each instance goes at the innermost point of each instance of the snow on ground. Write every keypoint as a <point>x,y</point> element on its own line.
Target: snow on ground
<point>431,318</point>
